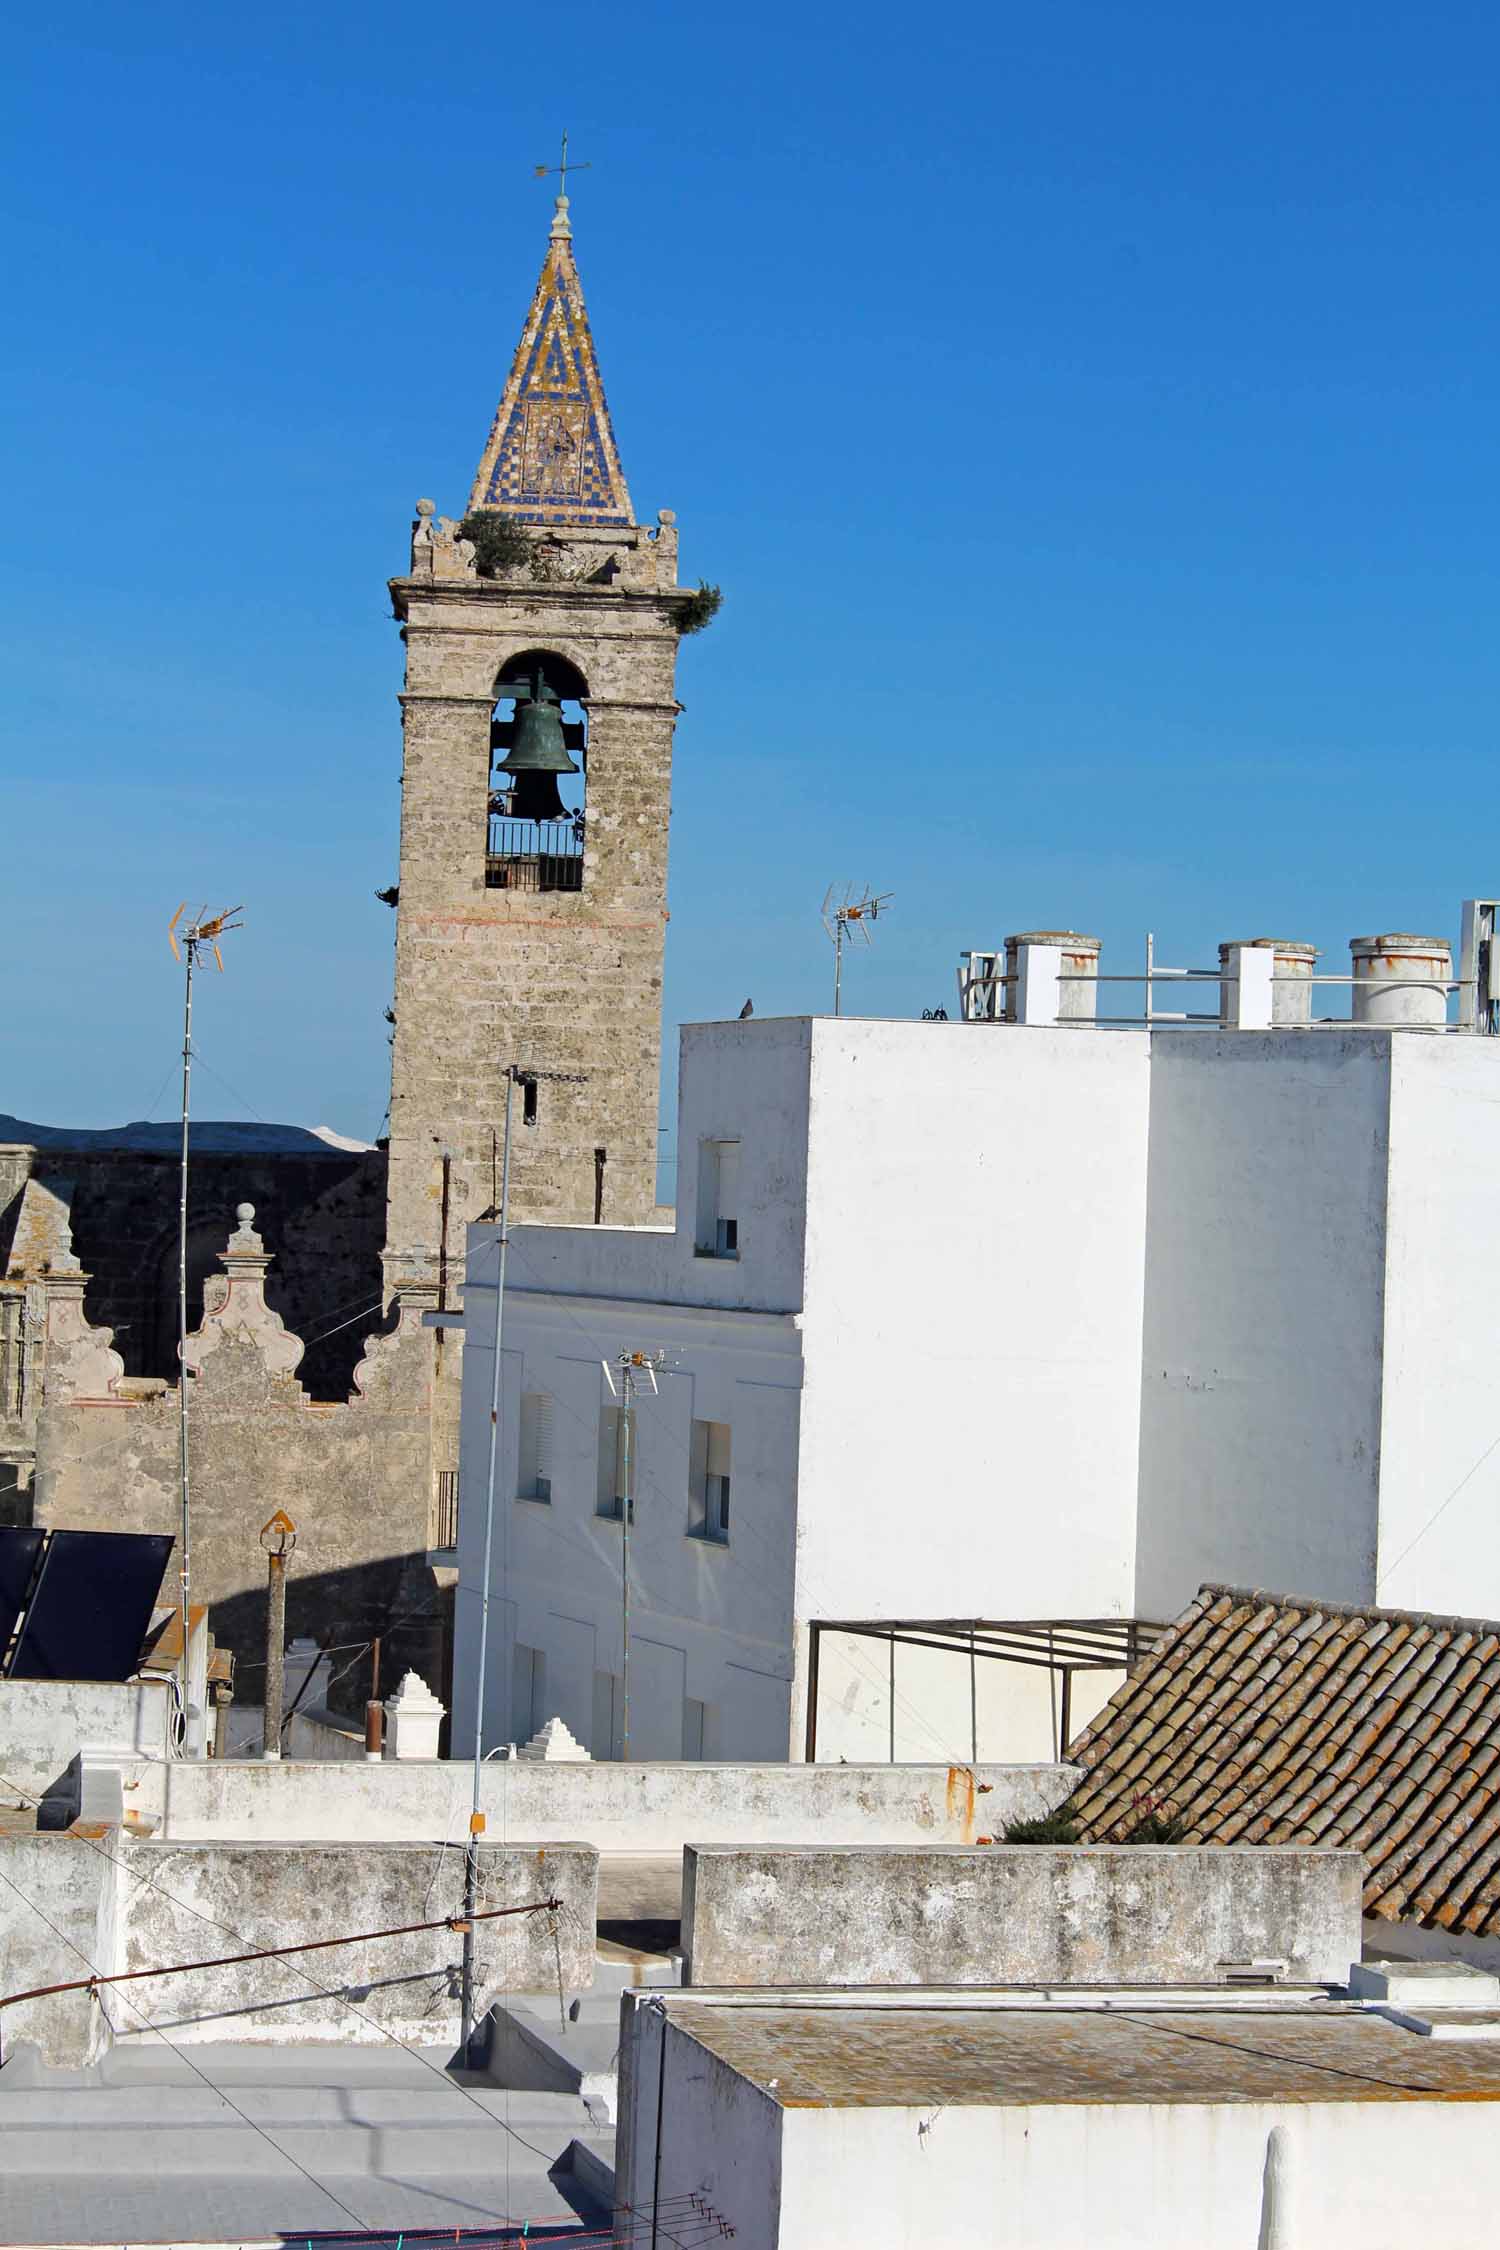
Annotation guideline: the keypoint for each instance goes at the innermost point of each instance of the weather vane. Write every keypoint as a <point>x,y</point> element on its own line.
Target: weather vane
<point>540,171</point>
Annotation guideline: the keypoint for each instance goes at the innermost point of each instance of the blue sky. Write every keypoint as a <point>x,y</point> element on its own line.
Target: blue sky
<point>1090,414</point>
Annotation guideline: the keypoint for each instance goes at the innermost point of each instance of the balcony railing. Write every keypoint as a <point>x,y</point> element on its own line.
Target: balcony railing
<point>534,855</point>
<point>445,1512</point>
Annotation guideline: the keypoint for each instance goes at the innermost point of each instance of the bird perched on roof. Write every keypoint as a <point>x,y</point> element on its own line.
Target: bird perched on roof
<point>747,1010</point>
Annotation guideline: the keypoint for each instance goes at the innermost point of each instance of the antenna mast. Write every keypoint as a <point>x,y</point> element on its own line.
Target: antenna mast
<point>201,935</point>
<point>635,1368</point>
<point>849,919</point>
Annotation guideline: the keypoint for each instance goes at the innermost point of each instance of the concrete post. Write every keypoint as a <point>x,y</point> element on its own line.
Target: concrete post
<point>275,1654</point>
<point>1401,980</point>
<point>1291,974</point>
<point>1041,965</point>
<point>278,1537</point>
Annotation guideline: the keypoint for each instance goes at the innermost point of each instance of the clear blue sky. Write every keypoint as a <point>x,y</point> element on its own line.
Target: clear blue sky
<point>1090,413</point>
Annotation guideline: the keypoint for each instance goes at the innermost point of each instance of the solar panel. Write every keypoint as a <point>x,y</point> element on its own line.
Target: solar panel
<point>18,1552</point>
<point>91,1606</point>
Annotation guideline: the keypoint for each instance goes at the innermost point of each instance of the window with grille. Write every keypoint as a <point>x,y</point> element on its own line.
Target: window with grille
<point>708,1487</point>
<point>534,1469</point>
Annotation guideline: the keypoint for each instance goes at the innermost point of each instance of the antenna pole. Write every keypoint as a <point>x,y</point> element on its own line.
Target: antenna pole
<point>625,1455</point>
<point>476,1817</point>
<point>515,1075</point>
<point>838,964</point>
<point>190,951</point>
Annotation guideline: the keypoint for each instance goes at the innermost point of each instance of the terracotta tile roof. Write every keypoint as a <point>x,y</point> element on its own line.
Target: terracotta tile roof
<point>1265,1719</point>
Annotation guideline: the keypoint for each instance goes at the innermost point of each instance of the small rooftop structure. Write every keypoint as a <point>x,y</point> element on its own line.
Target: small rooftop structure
<point>1129,2120</point>
<point>1267,1719</point>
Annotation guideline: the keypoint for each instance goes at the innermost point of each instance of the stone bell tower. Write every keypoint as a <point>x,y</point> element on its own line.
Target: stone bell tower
<point>536,798</point>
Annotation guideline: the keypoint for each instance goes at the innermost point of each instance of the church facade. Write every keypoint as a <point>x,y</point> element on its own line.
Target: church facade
<point>541,634</point>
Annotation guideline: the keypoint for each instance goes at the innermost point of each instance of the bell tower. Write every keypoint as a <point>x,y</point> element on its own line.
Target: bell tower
<point>536,796</point>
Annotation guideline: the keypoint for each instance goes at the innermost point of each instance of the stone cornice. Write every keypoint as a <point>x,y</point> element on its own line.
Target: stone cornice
<point>448,593</point>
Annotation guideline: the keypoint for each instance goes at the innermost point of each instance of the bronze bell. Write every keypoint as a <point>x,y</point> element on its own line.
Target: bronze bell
<point>538,753</point>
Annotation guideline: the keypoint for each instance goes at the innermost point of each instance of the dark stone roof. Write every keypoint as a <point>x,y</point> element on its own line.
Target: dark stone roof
<point>210,1137</point>
<point>1269,1719</point>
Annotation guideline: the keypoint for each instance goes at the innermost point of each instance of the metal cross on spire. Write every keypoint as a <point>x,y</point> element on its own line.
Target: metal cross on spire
<point>541,171</point>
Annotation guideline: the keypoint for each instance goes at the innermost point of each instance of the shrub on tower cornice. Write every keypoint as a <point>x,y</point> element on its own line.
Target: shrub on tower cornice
<point>700,608</point>
<point>501,545</point>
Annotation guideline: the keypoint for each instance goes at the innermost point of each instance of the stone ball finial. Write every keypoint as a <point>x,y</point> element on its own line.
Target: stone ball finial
<point>666,515</point>
<point>426,507</point>
<point>244,1212</point>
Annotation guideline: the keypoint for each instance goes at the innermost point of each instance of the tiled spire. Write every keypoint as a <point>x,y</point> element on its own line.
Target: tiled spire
<point>550,456</point>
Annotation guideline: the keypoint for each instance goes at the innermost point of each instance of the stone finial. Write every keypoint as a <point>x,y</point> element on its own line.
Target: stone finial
<point>413,1716</point>
<point>666,515</point>
<point>552,1743</point>
<point>234,1304</point>
<point>244,1242</point>
<point>562,230</point>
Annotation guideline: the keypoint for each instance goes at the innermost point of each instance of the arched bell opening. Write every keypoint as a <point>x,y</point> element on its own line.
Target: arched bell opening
<point>538,778</point>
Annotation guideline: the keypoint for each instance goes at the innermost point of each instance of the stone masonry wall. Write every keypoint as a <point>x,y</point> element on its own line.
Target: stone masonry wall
<point>355,1477</point>
<point>567,981</point>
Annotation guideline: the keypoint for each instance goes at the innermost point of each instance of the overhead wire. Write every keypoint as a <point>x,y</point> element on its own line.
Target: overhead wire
<point>329,1992</point>
<point>254,2123</point>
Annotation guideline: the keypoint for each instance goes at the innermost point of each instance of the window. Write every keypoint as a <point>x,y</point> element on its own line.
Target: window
<point>534,1468</point>
<point>708,1489</point>
<point>719,1200</point>
<point>612,1462</point>
<point>694,1729</point>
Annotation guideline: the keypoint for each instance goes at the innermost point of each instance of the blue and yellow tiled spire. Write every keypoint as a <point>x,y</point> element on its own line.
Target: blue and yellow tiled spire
<point>550,456</point>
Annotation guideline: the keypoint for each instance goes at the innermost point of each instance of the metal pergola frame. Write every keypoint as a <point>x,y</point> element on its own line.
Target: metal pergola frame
<point>1060,1645</point>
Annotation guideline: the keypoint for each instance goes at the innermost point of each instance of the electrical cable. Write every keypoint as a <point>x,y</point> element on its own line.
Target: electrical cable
<point>329,1992</point>
<point>254,2124</point>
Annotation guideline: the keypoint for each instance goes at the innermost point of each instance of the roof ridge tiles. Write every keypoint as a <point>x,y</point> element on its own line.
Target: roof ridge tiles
<point>1247,1594</point>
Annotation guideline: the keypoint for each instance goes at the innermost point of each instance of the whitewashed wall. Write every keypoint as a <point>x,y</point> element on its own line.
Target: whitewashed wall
<point>1026,1323</point>
<point>973,1320</point>
<point>1439,1521</point>
<point>1261,1371</point>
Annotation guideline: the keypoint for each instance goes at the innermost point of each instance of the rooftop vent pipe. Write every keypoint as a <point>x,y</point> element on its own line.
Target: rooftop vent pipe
<point>1401,980</point>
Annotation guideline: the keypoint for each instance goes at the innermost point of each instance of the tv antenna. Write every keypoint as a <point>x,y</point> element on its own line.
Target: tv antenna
<point>635,1369</point>
<point>847,919</point>
<point>200,936</point>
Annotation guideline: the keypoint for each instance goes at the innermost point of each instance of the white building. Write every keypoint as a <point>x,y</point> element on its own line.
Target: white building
<point>1033,1321</point>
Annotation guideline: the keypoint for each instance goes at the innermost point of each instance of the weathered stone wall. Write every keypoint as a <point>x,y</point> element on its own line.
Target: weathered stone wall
<point>58,1919</point>
<point>110,1902</point>
<point>275,1894</point>
<point>354,1478</point>
<point>1016,1914</point>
